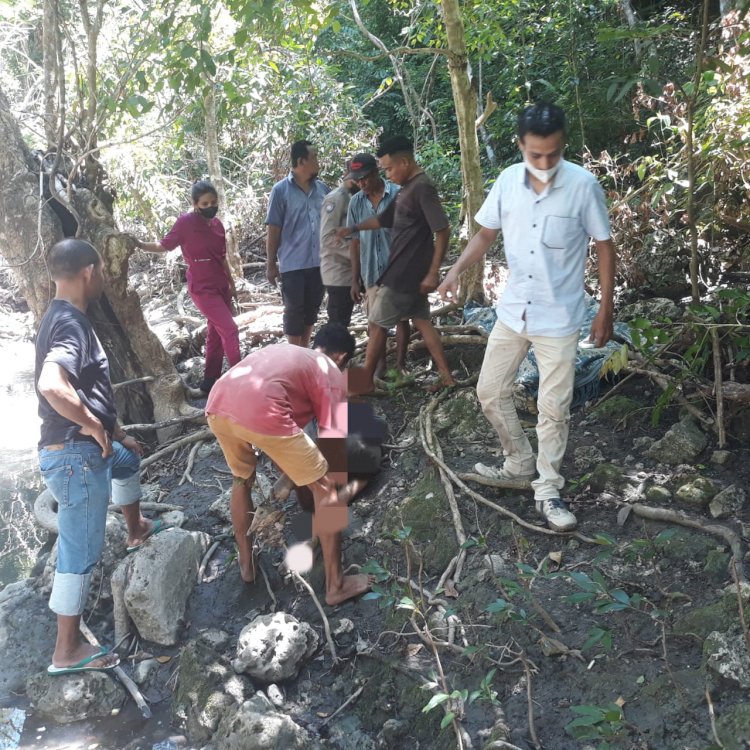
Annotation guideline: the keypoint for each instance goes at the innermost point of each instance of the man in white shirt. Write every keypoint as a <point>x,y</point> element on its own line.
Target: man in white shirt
<point>547,209</point>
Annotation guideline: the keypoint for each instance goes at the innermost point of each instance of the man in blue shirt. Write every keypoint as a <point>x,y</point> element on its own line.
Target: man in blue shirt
<point>293,242</point>
<point>547,209</point>
<point>370,249</point>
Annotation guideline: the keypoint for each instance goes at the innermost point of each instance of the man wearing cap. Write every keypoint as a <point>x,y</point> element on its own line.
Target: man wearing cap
<point>293,242</point>
<point>547,209</point>
<point>370,249</point>
<point>335,263</point>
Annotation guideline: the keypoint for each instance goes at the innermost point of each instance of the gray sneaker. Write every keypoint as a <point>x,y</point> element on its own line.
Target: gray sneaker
<point>556,513</point>
<point>492,472</point>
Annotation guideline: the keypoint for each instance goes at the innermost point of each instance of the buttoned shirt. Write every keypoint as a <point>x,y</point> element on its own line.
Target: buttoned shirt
<point>374,244</point>
<point>298,215</point>
<point>546,238</point>
<point>335,262</point>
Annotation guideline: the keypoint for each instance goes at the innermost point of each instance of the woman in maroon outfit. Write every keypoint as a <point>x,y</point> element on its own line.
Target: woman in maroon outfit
<point>200,236</point>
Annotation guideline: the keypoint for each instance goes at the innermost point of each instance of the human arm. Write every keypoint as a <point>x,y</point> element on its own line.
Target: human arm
<point>151,247</point>
<point>373,222</point>
<point>273,240</point>
<point>601,326</point>
<point>430,282</point>
<point>54,384</point>
<point>474,251</point>
<point>230,278</point>
<point>356,291</point>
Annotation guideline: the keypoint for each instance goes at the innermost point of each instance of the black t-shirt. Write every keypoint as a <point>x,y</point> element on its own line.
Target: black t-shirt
<point>67,337</point>
<point>414,217</point>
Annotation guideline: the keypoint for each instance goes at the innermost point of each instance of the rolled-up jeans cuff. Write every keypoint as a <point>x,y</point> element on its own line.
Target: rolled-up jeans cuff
<point>69,593</point>
<point>127,491</point>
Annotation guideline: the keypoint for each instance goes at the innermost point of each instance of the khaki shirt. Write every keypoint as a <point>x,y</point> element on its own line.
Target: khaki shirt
<point>335,263</point>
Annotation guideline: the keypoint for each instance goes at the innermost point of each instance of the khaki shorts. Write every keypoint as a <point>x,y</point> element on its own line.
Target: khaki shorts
<point>296,455</point>
<point>388,306</point>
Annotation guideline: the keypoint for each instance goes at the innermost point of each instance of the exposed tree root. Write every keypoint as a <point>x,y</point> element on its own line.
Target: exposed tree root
<point>204,434</point>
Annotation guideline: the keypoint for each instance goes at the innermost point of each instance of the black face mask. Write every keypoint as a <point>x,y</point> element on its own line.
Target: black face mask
<point>209,212</point>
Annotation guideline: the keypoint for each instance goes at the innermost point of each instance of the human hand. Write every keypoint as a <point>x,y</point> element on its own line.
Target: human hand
<point>429,283</point>
<point>448,290</point>
<point>601,327</point>
<point>132,445</point>
<point>342,232</point>
<point>95,429</point>
<point>356,293</point>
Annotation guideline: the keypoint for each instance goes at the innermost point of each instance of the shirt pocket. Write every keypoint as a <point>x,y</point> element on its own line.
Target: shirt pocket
<point>560,232</point>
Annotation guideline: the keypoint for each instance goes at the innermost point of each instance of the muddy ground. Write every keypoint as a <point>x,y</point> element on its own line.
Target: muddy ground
<point>544,629</point>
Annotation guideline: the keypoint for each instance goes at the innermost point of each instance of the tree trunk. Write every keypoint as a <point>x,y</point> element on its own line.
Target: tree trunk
<point>29,228</point>
<point>465,101</point>
<point>217,177</point>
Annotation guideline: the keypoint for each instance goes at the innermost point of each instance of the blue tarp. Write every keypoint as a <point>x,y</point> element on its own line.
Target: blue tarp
<point>589,362</point>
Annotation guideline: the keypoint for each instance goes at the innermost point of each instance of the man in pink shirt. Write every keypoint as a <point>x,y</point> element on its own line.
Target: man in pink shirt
<point>264,402</point>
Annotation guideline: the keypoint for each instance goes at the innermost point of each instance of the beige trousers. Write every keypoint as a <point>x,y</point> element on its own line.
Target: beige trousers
<point>555,358</point>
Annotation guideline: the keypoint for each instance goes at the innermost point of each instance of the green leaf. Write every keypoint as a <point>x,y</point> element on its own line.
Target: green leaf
<point>620,596</point>
<point>435,701</point>
<point>370,595</point>
<point>406,603</point>
<point>447,719</point>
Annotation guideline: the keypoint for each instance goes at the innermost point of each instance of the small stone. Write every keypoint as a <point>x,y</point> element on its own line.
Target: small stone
<point>681,444</point>
<point>716,566</point>
<point>345,625</point>
<point>438,623</point>
<point>606,476</point>
<point>728,502</point>
<point>587,456</point>
<point>658,494</point>
<point>697,493</point>
<point>392,730</point>
<point>274,647</point>
<point>721,458</point>
<point>275,695</point>
<point>643,443</point>
<point>496,564</point>
<point>214,638</point>
<point>143,670</point>
<point>728,656</point>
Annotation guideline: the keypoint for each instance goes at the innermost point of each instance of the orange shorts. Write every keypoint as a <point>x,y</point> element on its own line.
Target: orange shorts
<point>296,455</point>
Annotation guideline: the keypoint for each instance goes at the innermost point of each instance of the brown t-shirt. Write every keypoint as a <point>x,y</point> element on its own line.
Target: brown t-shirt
<point>414,217</point>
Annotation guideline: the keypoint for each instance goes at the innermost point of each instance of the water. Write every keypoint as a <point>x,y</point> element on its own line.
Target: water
<point>20,539</point>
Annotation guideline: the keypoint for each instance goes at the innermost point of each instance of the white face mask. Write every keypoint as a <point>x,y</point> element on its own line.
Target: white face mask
<point>543,175</point>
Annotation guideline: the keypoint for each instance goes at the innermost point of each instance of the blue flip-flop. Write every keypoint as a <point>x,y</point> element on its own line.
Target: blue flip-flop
<point>84,664</point>
<point>157,528</point>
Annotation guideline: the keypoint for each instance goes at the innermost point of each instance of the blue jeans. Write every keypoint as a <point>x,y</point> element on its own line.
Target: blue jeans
<point>81,481</point>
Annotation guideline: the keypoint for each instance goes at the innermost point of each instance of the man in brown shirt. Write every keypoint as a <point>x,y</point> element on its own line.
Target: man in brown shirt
<point>419,239</point>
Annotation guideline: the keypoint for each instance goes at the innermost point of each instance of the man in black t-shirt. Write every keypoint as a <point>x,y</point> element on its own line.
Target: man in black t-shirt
<point>419,239</point>
<point>84,454</point>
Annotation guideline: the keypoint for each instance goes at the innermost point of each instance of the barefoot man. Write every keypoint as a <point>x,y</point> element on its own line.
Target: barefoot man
<point>84,455</point>
<point>263,402</point>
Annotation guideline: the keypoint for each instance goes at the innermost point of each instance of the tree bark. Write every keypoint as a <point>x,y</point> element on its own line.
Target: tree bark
<point>50,30</point>
<point>217,177</point>
<point>465,102</point>
<point>29,228</point>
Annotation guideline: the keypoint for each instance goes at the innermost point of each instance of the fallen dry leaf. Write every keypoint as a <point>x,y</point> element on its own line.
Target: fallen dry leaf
<point>163,659</point>
<point>450,589</point>
<point>556,557</point>
<point>412,649</point>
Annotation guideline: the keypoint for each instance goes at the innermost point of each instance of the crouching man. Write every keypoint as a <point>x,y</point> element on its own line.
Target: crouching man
<point>263,402</point>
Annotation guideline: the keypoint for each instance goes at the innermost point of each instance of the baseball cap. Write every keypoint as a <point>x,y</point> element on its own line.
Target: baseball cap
<point>360,166</point>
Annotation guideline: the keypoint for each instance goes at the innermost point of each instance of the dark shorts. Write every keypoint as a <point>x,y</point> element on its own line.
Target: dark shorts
<point>302,293</point>
<point>391,306</point>
<point>340,304</point>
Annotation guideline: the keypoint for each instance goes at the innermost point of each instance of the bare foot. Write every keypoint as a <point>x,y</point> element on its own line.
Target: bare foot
<point>351,586</point>
<point>443,381</point>
<point>249,569</point>
<point>282,488</point>
<point>84,651</point>
<point>141,532</point>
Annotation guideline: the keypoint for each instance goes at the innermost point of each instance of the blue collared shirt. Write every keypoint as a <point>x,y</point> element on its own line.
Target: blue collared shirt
<point>374,245</point>
<point>546,239</point>
<point>298,215</point>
